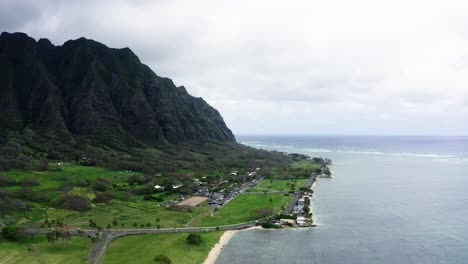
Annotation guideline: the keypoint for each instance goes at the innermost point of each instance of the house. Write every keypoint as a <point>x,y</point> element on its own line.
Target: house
<point>287,221</point>
<point>158,187</point>
<point>298,209</point>
<point>300,220</point>
<point>300,202</point>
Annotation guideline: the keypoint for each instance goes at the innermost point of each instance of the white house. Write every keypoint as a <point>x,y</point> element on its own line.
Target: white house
<point>300,220</point>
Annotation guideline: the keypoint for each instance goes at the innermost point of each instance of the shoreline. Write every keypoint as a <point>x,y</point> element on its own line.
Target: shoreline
<point>223,241</point>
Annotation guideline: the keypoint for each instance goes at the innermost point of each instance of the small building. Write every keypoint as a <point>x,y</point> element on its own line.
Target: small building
<point>158,187</point>
<point>234,173</point>
<point>301,202</point>
<point>287,221</point>
<point>300,220</point>
<point>177,186</point>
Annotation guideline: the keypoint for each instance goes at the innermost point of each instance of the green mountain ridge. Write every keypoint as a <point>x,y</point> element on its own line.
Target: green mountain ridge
<point>84,100</point>
<point>85,88</point>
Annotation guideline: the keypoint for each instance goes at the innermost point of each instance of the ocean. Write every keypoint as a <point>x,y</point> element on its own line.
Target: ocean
<point>392,200</point>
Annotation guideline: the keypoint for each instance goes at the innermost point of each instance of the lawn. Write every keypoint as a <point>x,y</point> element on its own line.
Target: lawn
<point>72,251</point>
<point>143,248</point>
<point>280,184</point>
<point>304,164</point>
<point>242,209</point>
<point>127,213</point>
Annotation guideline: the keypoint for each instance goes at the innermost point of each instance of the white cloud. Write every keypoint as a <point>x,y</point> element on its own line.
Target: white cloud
<point>304,67</point>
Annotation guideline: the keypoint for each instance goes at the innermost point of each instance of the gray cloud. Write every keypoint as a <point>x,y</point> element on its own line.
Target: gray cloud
<point>304,67</point>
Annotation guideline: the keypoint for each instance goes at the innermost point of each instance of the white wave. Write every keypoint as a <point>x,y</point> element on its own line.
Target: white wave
<point>425,155</point>
<point>318,150</point>
<point>362,152</point>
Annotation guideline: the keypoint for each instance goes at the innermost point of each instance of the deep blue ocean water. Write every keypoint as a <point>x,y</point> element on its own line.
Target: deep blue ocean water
<point>392,200</point>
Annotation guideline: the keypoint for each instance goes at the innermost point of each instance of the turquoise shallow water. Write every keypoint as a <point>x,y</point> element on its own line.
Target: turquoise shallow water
<point>393,200</point>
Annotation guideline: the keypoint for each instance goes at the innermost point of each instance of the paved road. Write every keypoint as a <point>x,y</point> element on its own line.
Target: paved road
<point>308,183</point>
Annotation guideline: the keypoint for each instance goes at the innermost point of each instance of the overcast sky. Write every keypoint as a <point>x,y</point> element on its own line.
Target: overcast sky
<point>287,67</point>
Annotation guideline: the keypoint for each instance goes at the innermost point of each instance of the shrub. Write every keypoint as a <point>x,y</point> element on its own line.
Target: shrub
<point>29,181</point>
<point>6,180</point>
<point>194,239</point>
<point>152,198</point>
<point>102,198</point>
<point>162,259</point>
<point>136,179</point>
<point>101,184</point>
<point>10,233</point>
<point>83,182</point>
<point>269,225</point>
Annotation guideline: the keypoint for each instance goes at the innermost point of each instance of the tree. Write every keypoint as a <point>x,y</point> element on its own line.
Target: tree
<point>194,239</point>
<point>306,209</point>
<point>10,233</point>
<point>73,202</point>
<point>271,200</point>
<point>162,259</point>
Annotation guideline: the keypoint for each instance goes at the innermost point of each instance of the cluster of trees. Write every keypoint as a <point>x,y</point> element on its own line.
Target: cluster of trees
<point>73,202</point>
<point>27,181</point>
<point>58,235</point>
<point>322,161</point>
<point>9,203</point>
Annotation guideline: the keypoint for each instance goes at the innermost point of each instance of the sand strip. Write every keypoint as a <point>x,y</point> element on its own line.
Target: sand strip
<point>223,240</point>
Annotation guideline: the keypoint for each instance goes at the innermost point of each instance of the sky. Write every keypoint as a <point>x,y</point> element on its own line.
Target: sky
<point>360,67</point>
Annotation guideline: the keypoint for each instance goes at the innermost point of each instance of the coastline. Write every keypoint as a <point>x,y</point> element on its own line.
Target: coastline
<point>223,241</point>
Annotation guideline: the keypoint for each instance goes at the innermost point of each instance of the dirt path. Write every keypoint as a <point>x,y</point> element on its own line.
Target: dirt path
<point>192,222</point>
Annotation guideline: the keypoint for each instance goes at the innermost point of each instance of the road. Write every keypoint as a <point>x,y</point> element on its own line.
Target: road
<point>308,183</point>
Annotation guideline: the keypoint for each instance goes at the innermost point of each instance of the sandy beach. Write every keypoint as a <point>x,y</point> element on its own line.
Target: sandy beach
<point>223,240</point>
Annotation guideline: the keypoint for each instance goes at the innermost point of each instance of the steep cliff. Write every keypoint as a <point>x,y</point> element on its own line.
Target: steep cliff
<point>84,92</point>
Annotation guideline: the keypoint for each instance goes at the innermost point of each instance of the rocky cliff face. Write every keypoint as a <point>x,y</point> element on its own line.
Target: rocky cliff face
<point>85,91</point>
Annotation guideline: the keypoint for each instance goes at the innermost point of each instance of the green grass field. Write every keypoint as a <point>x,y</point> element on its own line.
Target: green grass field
<point>241,209</point>
<point>72,251</point>
<point>143,248</point>
<point>279,184</point>
<point>127,213</point>
<point>304,165</point>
